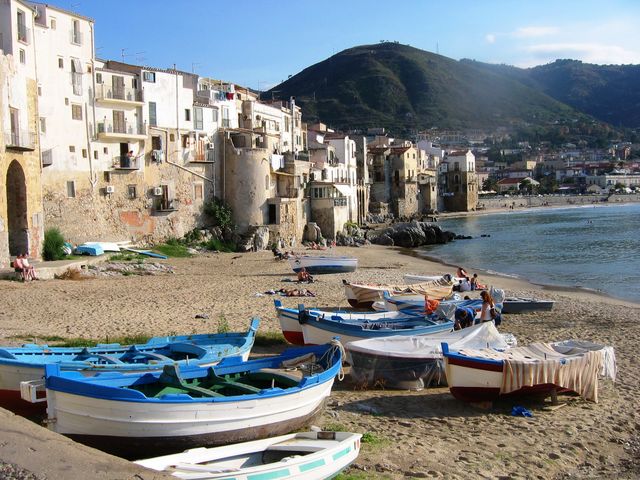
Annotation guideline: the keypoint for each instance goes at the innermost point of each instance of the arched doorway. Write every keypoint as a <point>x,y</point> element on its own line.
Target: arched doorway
<point>17,210</point>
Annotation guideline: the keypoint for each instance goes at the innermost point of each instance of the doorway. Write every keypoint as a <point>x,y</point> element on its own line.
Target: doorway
<point>18,224</point>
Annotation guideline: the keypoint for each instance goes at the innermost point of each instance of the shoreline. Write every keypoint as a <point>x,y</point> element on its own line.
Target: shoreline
<point>230,288</point>
<point>542,286</point>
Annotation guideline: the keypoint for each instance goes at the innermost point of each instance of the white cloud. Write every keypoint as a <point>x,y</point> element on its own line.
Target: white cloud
<point>490,38</point>
<point>534,31</point>
<point>587,52</point>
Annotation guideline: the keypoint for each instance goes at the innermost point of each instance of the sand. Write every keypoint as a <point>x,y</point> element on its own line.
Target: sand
<point>426,434</point>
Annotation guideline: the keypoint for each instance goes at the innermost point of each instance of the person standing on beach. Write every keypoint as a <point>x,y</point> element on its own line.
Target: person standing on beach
<point>487,306</point>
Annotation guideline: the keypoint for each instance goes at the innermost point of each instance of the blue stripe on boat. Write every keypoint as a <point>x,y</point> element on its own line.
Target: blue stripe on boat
<point>341,453</point>
<point>269,475</point>
<point>310,466</point>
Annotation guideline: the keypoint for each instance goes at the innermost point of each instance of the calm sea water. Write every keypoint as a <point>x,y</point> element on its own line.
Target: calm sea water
<point>591,247</point>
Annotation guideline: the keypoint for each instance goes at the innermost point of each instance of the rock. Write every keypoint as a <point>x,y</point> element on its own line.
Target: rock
<point>410,235</point>
<point>202,315</point>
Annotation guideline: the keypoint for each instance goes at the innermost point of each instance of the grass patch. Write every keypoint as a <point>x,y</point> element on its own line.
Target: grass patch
<point>172,250</point>
<point>220,246</point>
<point>56,340</point>
<point>373,439</point>
<point>269,339</point>
<point>359,476</point>
<point>223,325</point>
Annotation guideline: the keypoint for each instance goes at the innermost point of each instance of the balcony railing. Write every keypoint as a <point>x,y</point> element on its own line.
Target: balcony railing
<point>24,33</point>
<point>125,128</point>
<point>75,37</point>
<point>108,92</point>
<point>340,202</point>
<point>20,140</point>
<point>124,162</point>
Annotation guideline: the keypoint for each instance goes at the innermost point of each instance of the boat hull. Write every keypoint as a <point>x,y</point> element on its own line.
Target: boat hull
<point>304,456</point>
<point>524,305</point>
<point>324,265</point>
<point>142,428</point>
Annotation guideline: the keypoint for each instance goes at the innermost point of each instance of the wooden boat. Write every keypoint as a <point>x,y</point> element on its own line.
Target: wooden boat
<point>416,362</point>
<point>304,455</point>
<point>319,326</point>
<point>20,364</point>
<point>412,278</point>
<point>188,406</point>
<point>291,326</point>
<point>362,295</point>
<point>479,375</point>
<point>316,264</point>
<point>523,305</point>
<point>408,302</point>
<point>105,246</point>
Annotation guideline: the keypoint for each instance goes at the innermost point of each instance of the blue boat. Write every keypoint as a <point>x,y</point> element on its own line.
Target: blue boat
<point>26,363</point>
<point>319,326</point>
<point>93,249</point>
<point>187,406</point>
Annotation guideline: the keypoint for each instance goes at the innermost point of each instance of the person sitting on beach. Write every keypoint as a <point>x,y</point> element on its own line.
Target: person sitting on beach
<point>430,306</point>
<point>304,276</point>
<point>474,283</point>
<point>28,271</point>
<point>18,266</point>
<point>464,285</point>
<point>464,317</point>
<point>461,273</point>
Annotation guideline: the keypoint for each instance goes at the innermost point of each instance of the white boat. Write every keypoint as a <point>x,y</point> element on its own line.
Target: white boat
<point>105,246</point>
<point>157,413</point>
<point>413,278</point>
<point>323,264</point>
<point>415,362</point>
<point>480,375</point>
<point>303,456</point>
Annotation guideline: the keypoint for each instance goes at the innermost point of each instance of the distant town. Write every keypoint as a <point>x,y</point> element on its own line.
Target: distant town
<point>103,149</point>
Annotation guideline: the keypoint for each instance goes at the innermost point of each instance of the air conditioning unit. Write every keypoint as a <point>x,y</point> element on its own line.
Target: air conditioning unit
<point>210,146</point>
<point>110,189</point>
<point>157,191</point>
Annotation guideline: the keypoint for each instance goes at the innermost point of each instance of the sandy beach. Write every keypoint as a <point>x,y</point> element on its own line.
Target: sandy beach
<point>426,434</point>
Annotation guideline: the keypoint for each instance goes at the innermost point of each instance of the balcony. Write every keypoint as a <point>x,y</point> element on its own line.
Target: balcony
<point>340,202</point>
<point>119,95</point>
<point>202,156</point>
<point>125,163</point>
<point>20,140</point>
<point>24,33</point>
<point>75,37</point>
<point>126,130</point>
<point>290,192</point>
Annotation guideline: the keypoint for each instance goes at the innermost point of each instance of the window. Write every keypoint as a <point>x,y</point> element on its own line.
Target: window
<point>22,27</point>
<point>187,114</point>
<point>39,91</point>
<point>225,117</point>
<point>156,143</point>
<point>153,120</point>
<point>72,149</point>
<point>95,154</point>
<point>134,83</point>
<point>71,189</point>
<point>185,141</point>
<point>215,115</point>
<point>132,192</point>
<point>23,56</point>
<point>98,78</point>
<point>66,101</point>
<point>172,137</point>
<point>197,118</point>
<point>105,150</point>
<point>84,153</point>
<point>198,191</point>
<point>267,182</point>
<point>60,62</point>
<point>149,77</point>
<point>53,23</point>
<point>76,36</point>
<point>76,111</point>
<point>43,125</point>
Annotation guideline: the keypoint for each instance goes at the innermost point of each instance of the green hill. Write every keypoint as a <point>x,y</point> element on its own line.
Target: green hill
<point>404,88</point>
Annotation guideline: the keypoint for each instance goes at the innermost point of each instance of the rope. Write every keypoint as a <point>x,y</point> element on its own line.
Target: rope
<point>337,346</point>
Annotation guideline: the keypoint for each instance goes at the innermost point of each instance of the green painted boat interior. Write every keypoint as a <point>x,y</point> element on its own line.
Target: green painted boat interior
<point>171,382</point>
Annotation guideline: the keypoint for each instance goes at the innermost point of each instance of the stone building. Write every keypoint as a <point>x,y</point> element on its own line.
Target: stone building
<point>458,182</point>
<point>21,217</point>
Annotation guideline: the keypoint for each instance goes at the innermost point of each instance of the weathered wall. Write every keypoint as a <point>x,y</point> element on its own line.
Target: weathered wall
<point>551,200</point>
<point>28,160</point>
<point>328,216</point>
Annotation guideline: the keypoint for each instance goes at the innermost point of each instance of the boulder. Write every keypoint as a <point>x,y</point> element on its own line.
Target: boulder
<point>410,235</point>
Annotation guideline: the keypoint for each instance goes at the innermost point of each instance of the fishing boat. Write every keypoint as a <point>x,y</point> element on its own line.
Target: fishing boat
<point>319,327</point>
<point>291,325</point>
<point>323,264</point>
<point>188,406</point>
<point>20,364</point>
<point>363,295</point>
<point>415,362</point>
<point>304,455</point>
<point>408,302</point>
<point>480,375</point>
<point>411,278</point>
<point>524,305</point>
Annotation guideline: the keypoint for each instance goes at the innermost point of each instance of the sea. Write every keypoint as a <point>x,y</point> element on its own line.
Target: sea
<point>589,247</point>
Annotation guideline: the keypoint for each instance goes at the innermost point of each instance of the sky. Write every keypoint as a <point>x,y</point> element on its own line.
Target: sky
<point>260,43</point>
